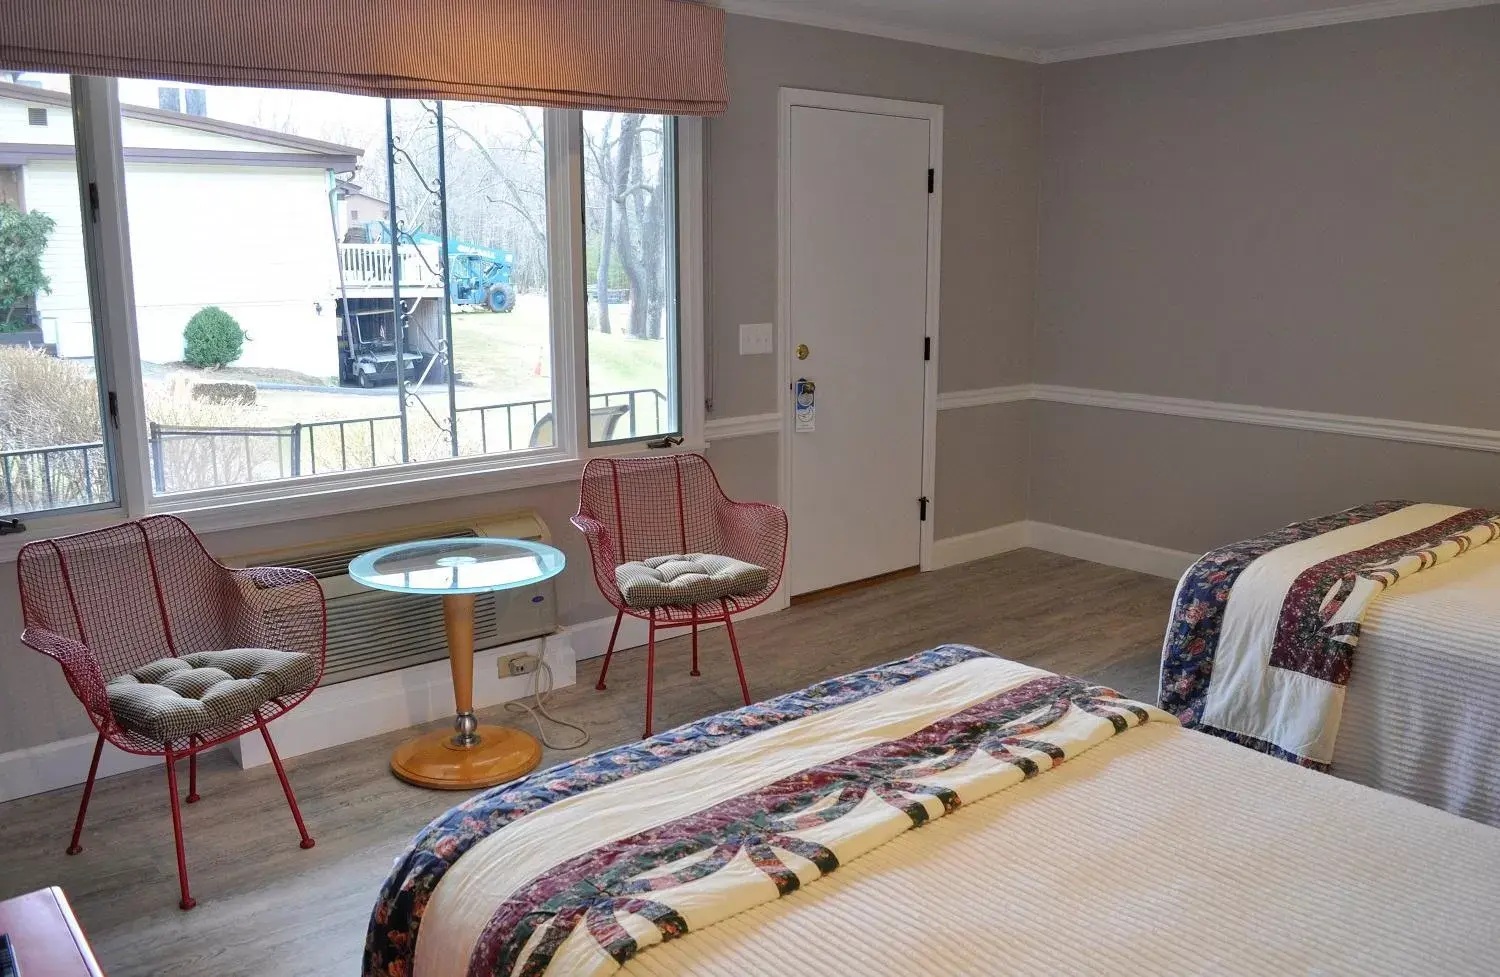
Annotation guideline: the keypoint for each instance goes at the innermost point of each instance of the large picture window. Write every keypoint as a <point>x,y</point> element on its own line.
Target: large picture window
<point>331,287</point>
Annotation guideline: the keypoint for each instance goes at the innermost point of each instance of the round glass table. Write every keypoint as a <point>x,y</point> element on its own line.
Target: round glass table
<point>458,570</point>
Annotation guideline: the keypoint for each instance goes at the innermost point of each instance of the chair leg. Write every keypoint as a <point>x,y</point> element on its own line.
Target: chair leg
<point>610,651</point>
<point>83,806</point>
<point>734,646</point>
<point>650,672</point>
<point>192,795</point>
<point>291,799</point>
<point>187,901</point>
<point>695,673</point>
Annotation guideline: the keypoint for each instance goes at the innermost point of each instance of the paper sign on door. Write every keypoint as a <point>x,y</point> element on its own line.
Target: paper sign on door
<point>807,410</point>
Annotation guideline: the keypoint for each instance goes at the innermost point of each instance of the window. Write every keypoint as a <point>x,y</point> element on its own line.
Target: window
<point>629,240</point>
<point>52,449</point>
<point>339,289</point>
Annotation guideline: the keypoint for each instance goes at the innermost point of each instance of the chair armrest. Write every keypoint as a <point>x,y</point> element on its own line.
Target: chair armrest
<point>602,554</point>
<point>757,533</point>
<point>280,608</point>
<point>81,669</point>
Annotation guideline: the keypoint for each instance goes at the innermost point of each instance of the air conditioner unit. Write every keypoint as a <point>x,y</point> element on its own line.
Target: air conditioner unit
<point>376,631</point>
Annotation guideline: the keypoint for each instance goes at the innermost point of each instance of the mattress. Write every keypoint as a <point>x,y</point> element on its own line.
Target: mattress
<point>1114,854</point>
<point>1422,709</point>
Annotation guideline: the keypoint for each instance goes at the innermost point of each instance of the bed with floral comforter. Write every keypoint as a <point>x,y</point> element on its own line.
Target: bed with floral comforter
<point>950,810</point>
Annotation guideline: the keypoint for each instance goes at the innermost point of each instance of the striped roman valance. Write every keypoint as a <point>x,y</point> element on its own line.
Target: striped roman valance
<point>661,56</point>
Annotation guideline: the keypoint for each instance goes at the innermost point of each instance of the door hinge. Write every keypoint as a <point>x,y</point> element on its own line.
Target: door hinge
<point>926,348</point>
<point>922,509</point>
<point>931,180</point>
<point>114,410</point>
<point>94,203</point>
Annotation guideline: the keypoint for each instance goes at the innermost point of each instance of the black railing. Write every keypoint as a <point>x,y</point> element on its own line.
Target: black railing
<point>34,479</point>
<point>187,458</point>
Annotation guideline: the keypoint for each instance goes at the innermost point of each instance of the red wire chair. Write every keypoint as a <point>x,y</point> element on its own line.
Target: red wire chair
<point>637,508</point>
<point>106,602</point>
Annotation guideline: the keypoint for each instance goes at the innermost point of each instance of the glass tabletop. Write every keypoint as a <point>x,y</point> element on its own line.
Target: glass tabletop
<point>457,566</point>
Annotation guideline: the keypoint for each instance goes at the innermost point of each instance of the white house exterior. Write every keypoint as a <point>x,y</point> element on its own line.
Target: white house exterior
<point>219,214</point>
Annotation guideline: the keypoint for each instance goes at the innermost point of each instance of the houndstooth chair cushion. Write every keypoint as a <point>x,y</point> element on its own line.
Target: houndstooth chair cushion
<point>175,697</point>
<point>688,579</point>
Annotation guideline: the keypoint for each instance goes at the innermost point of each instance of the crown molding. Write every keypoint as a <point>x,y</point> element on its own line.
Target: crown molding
<point>1351,14</point>
<point>857,24</point>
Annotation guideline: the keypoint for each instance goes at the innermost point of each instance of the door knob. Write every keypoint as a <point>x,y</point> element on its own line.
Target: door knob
<point>802,351</point>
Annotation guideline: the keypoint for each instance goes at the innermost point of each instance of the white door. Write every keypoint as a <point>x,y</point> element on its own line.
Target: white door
<point>856,268</point>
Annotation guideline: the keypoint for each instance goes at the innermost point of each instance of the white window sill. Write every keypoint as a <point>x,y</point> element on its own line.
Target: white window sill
<point>305,499</point>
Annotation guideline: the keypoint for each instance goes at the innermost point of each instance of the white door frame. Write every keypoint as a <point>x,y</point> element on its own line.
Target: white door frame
<point>800,97</point>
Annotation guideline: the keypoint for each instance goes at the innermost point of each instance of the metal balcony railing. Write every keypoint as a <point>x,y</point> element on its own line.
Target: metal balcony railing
<point>189,458</point>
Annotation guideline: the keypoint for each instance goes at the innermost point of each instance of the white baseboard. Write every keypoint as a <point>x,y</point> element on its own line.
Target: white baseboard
<point>976,546</point>
<point>1125,553</point>
<point>1108,550</point>
<point>62,763</point>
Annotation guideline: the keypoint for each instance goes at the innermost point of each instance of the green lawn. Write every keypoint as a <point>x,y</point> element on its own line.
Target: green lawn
<point>498,353</point>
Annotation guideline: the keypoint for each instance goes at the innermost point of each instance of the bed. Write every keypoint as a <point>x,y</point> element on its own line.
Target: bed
<point>951,812</point>
<point>1365,643</point>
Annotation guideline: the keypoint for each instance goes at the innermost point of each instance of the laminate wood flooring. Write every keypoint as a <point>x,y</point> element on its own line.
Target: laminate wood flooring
<point>266,907</point>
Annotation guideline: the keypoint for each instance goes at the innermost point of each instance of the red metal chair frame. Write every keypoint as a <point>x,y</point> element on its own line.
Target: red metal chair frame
<point>105,602</point>
<point>636,508</point>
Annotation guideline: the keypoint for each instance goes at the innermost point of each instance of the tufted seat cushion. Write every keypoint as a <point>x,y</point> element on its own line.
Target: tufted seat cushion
<point>687,579</point>
<point>174,697</point>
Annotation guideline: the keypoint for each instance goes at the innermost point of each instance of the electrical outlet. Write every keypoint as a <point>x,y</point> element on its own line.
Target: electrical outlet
<point>512,665</point>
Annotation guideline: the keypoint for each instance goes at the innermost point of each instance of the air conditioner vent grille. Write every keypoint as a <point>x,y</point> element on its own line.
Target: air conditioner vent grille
<point>336,563</point>
<point>379,631</point>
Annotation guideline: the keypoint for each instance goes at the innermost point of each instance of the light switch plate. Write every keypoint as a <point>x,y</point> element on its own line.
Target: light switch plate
<point>756,338</point>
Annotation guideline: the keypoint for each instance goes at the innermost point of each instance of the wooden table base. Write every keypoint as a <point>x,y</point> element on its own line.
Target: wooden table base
<point>439,759</point>
<point>435,760</point>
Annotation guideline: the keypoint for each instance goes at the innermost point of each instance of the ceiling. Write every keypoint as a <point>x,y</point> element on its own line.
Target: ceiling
<point>1061,30</point>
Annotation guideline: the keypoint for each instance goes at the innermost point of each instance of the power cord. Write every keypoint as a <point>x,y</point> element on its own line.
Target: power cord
<point>539,713</point>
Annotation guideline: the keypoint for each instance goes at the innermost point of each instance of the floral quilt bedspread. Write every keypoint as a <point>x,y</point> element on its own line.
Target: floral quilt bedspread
<point>576,869</point>
<point>1263,633</point>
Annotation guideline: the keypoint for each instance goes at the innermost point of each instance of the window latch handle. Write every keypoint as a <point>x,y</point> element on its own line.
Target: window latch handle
<point>666,442</point>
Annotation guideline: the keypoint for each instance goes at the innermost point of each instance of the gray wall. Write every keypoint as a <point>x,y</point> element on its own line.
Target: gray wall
<point>991,124</point>
<point>1301,220</point>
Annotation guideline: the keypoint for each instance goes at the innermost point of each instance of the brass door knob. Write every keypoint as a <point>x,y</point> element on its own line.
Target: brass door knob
<point>802,351</point>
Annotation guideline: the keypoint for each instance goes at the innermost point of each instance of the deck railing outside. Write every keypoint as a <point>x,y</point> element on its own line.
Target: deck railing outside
<point>369,266</point>
<point>188,458</point>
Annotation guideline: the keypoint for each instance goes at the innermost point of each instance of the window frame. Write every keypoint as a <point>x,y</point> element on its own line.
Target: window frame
<point>101,184</point>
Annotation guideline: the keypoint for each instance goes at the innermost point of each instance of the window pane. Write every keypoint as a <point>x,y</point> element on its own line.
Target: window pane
<point>288,326</point>
<point>52,453</point>
<point>630,246</point>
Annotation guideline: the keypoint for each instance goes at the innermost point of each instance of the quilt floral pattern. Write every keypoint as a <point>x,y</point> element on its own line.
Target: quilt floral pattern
<point>391,939</point>
<point>791,831</point>
<point>1317,624</point>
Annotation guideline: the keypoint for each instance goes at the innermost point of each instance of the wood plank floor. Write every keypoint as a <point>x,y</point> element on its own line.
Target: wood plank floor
<point>267,907</point>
